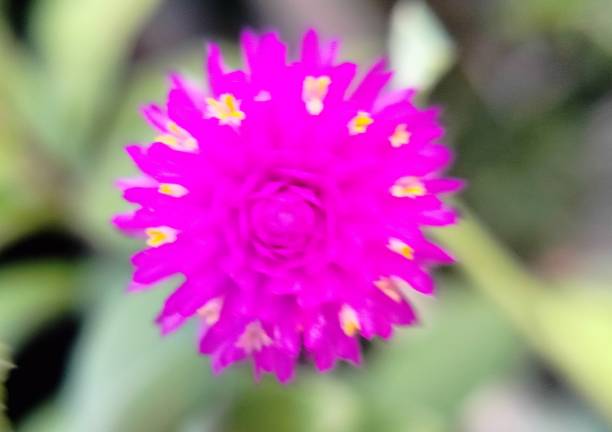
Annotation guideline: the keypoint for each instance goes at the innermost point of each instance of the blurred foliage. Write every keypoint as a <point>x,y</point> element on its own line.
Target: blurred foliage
<point>569,327</point>
<point>33,294</point>
<point>417,37</point>
<point>5,365</point>
<point>77,79</point>
<point>590,17</point>
<point>121,372</point>
<point>518,83</point>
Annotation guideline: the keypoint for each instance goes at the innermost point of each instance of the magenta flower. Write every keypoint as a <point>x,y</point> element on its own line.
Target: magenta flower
<point>292,202</point>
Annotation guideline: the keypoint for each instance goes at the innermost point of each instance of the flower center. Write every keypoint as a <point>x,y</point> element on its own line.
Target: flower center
<point>283,221</point>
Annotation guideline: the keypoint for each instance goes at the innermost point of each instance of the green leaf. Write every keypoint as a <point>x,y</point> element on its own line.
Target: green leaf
<point>47,418</point>
<point>24,180</point>
<point>421,51</point>
<point>24,203</point>
<point>31,294</point>
<point>84,45</point>
<point>597,25</point>
<point>14,65</point>
<point>573,329</point>
<point>125,377</point>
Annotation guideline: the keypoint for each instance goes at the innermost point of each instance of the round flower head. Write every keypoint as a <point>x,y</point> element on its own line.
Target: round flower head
<point>292,200</point>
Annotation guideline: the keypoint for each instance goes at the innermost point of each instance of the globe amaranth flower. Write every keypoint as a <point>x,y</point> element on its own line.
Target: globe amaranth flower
<point>292,200</point>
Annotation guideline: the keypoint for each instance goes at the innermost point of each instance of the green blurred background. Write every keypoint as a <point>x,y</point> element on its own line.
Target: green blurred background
<point>520,337</point>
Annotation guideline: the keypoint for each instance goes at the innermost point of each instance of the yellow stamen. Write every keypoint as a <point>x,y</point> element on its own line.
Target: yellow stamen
<point>254,338</point>
<point>173,190</point>
<point>175,129</point>
<point>211,311</point>
<point>169,140</point>
<point>158,236</point>
<point>177,138</point>
<point>389,287</point>
<point>226,109</point>
<point>400,136</point>
<point>408,187</point>
<point>349,321</point>
<point>360,123</point>
<point>399,247</point>
<point>314,92</point>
